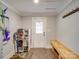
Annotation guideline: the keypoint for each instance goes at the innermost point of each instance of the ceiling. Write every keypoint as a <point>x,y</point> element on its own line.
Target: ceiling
<point>43,8</point>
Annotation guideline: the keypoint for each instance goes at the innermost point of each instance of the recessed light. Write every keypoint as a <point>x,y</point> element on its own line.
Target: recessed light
<point>36,1</point>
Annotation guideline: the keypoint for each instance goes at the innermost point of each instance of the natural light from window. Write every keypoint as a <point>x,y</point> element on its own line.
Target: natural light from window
<point>39,27</point>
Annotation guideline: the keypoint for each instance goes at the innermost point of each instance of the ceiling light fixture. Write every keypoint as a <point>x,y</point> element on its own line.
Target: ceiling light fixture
<point>36,1</point>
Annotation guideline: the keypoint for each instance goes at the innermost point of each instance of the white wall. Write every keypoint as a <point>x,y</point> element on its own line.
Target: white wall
<point>68,28</point>
<point>27,22</point>
<point>50,33</point>
<point>51,29</point>
<point>14,23</point>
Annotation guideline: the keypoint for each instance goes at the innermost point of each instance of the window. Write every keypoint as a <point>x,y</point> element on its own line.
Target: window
<point>39,27</point>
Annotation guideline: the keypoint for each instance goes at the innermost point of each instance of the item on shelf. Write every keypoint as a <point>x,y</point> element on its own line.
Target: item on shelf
<point>6,35</point>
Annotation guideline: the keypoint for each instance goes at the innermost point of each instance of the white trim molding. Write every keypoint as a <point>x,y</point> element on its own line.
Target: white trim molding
<point>10,7</point>
<point>67,4</point>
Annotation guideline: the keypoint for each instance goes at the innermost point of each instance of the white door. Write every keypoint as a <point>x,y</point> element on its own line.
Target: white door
<point>38,32</point>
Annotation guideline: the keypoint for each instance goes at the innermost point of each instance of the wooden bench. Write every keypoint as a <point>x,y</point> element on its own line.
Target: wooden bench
<point>62,51</point>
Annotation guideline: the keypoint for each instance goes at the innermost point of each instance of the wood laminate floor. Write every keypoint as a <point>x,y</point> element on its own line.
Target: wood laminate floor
<point>40,53</point>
